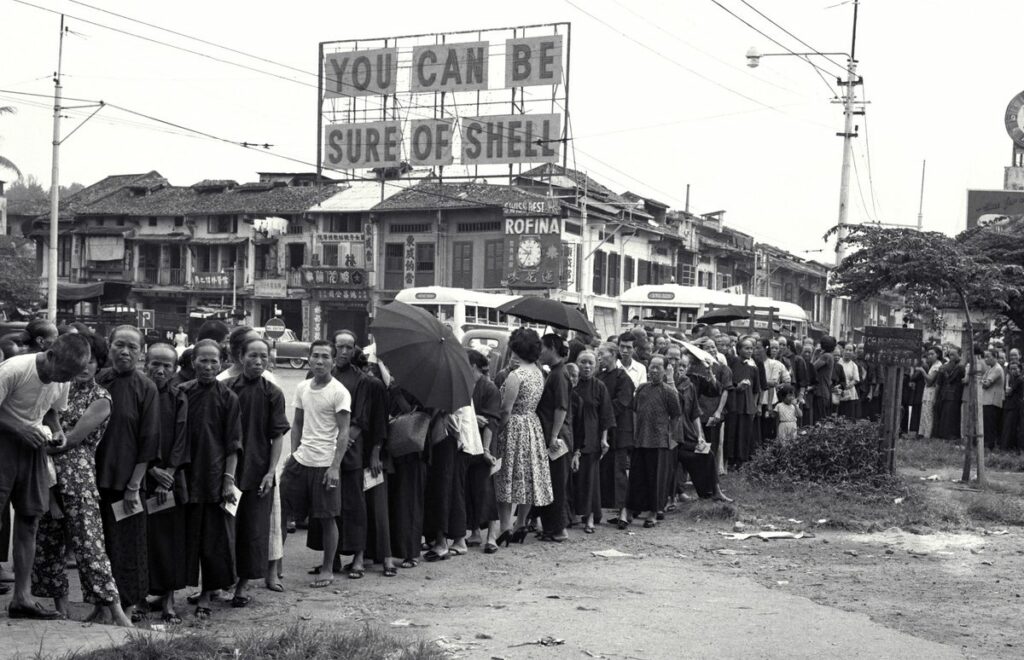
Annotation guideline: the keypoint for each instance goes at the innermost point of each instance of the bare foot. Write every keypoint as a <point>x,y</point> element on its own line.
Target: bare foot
<point>120,619</point>
<point>98,615</point>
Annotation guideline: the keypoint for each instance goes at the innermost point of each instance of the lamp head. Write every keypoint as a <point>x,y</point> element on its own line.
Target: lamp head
<point>753,57</point>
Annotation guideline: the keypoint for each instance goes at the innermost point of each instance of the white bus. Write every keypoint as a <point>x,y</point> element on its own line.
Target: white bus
<point>676,306</point>
<point>460,309</point>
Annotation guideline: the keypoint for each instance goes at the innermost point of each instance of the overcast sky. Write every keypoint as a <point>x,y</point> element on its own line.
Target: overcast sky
<point>660,96</point>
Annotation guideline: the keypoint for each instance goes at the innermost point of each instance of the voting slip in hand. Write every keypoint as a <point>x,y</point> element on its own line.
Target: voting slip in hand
<point>232,509</point>
<point>370,481</point>
<point>496,467</point>
<point>153,506</point>
<point>120,513</point>
<point>557,450</point>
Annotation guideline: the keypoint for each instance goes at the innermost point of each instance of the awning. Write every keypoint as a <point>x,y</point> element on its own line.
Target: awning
<point>227,240</point>
<point>99,231</point>
<point>71,292</point>
<point>159,238</point>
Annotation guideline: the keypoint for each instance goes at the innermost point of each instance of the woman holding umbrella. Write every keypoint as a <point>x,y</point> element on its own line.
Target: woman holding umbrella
<point>524,478</point>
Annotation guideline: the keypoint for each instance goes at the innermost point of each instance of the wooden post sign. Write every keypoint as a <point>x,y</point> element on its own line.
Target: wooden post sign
<point>894,350</point>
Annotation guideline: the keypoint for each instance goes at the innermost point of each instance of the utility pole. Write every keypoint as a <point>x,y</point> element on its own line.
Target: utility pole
<point>844,178</point>
<point>51,278</point>
<point>920,205</point>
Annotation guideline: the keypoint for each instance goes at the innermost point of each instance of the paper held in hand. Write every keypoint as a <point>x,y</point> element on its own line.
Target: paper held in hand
<point>232,509</point>
<point>557,450</point>
<point>152,506</point>
<point>120,513</point>
<point>370,481</point>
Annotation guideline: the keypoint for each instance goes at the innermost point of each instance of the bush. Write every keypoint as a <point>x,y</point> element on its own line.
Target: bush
<point>837,451</point>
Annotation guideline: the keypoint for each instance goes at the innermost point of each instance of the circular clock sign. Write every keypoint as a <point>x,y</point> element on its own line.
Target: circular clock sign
<point>1014,119</point>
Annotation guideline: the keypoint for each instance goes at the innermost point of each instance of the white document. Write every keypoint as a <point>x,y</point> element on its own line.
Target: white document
<point>558,450</point>
<point>370,481</point>
<point>232,509</point>
<point>152,506</point>
<point>119,512</point>
<point>496,468</point>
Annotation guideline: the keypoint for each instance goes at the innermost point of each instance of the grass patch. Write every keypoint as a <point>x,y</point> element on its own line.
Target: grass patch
<point>935,453</point>
<point>995,508</point>
<point>297,642</point>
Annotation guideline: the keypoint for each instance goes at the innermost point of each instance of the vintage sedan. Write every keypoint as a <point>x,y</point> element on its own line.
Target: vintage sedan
<point>290,349</point>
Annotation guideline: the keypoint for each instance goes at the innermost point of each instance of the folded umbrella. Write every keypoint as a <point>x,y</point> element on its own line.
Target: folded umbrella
<point>724,315</point>
<point>423,356</point>
<point>548,311</point>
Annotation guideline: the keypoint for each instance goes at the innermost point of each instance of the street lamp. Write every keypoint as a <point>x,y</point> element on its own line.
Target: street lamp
<point>849,100</point>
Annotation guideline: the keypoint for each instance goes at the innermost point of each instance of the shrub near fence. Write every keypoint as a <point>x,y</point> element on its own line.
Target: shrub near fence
<point>838,451</point>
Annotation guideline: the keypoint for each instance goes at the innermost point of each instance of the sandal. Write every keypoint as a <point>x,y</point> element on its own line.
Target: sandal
<point>390,571</point>
<point>321,583</point>
<point>203,613</point>
<point>551,538</point>
<point>138,616</point>
<point>490,548</point>
<point>623,524</point>
<point>240,601</point>
<point>588,530</point>
<point>661,516</point>
<point>409,563</point>
<point>650,523</point>
<point>275,586</point>
<point>432,556</point>
<point>354,574</point>
<point>171,618</point>
<point>458,552</point>
<point>472,544</point>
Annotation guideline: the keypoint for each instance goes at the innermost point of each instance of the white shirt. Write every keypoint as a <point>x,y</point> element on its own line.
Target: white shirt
<point>636,371</point>
<point>228,375</point>
<point>24,399</point>
<point>319,426</point>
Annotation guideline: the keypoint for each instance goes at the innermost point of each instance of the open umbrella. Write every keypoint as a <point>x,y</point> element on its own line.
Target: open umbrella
<point>724,315</point>
<point>424,356</point>
<point>549,312</point>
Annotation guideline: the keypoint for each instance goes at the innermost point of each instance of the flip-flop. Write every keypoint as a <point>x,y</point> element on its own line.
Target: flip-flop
<point>275,586</point>
<point>194,598</point>
<point>650,523</point>
<point>550,538</point>
<point>354,574</point>
<point>168,617</point>
<point>203,613</point>
<point>240,601</point>
<point>409,563</point>
<point>472,544</point>
<point>322,583</point>
<point>588,530</point>
<point>432,556</point>
<point>623,524</point>
<point>138,616</point>
<point>490,548</point>
<point>390,571</point>
<point>458,552</point>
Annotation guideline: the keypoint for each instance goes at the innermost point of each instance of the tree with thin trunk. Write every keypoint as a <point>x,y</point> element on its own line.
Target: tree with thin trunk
<point>5,162</point>
<point>933,269</point>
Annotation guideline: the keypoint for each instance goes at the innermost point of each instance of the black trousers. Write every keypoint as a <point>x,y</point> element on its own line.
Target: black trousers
<point>992,417</point>
<point>168,570</point>
<point>444,510</point>
<point>352,521</point>
<point>252,535</point>
<point>209,542</point>
<point>127,548</point>
<point>555,516</point>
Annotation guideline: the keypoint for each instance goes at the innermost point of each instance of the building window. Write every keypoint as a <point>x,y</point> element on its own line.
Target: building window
<point>424,264</point>
<point>705,279</point>
<point>394,268</point>
<point>787,294</point>
<point>120,222</point>
<point>419,228</point>
<point>600,272</point>
<point>152,221</point>
<point>643,273</point>
<point>724,281</point>
<point>222,224</point>
<point>494,266</point>
<point>687,274</point>
<point>573,228</point>
<point>476,227</point>
<point>204,260</point>
<point>179,221</point>
<point>630,274</point>
<point>64,256</point>
<point>348,223</point>
<point>330,254</point>
<point>462,265</point>
<point>614,268</point>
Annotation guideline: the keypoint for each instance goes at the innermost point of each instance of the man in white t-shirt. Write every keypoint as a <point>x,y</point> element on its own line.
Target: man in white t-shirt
<point>33,388</point>
<point>636,371</point>
<point>309,483</point>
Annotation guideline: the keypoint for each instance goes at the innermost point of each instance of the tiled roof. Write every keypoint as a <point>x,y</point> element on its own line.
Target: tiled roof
<point>176,200</point>
<point>431,195</point>
<point>214,184</point>
<point>73,204</point>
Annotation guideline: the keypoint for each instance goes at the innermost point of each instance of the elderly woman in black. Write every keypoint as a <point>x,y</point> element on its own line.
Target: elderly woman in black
<point>591,425</point>
<point>656,411</point>
<point>481,505</point>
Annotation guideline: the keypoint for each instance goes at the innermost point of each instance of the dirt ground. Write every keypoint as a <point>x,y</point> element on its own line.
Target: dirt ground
<point>959,589</point>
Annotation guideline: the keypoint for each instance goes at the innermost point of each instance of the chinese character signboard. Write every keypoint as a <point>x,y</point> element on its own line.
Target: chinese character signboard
<point>271,288</point>
<point>534,251</point>
<point>327,277</point>
<point>211,280</point>
<point>900,347</point>
<point>994,206</point>
<point>350,295</point>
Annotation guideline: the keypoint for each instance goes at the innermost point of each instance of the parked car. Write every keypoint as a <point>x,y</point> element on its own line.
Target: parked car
<point>290,349</point>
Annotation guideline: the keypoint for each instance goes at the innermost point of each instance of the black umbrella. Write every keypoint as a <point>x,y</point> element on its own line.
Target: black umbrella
<point>424,356</point>
<point>548,311</point>
<point>724,315</point>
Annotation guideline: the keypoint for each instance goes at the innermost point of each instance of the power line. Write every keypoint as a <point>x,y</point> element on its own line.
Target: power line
<point>867,148</point>
<point>679,64</point>
<point>778,43</point>
<point>767,18</point>
<point>860,190</point>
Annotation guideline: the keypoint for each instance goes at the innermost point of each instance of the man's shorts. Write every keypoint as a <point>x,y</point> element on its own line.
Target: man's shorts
<point>23,477</point>
<point>303,493</point>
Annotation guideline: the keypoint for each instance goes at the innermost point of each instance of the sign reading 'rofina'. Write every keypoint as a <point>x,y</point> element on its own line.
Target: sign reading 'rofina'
<point>398,135</point>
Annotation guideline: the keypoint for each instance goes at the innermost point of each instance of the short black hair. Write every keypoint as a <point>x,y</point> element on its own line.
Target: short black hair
<point>477,359</point>
<point>185,360</point>
<point>204,343</point>
<point>212,329</point>
<point>37,327</point>
<point>828,343</point>
<point>70,347</point>
<point>251,339</point>
<point>556,343</point>
<point>125,328</point>
<point>323,342</point>
<point>627,336</point>
<point>525,343</point>
<point>97,347</point>
<point>344,331</point>
<point>236,340</point>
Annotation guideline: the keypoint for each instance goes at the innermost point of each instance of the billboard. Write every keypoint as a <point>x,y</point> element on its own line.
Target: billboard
<point>534,252</point>
<point>432,100</point>
<point>994,206</point>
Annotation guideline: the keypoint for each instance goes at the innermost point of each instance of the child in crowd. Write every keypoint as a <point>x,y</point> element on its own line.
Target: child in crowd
<point>788,413</point>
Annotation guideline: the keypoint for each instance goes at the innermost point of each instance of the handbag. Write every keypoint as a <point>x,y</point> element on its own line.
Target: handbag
<point>407,433</point>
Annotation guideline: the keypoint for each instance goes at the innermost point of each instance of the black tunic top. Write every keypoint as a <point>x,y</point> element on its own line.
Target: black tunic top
<point>214,433</point>
<point>487,403</point>
<point>596,415</point>
<point>620,389</point>
<point>263,420</point>
<point>369,414</point>
<point>556,397</point>
<point>173,451</point>
<point>133,431</point>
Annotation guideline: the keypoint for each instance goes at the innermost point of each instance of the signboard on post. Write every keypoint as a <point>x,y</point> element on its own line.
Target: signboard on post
<point>147,319</point>
<point>273,329</point>
<point>898,347</point>
<point>994,206</point>
<point>534,251</point>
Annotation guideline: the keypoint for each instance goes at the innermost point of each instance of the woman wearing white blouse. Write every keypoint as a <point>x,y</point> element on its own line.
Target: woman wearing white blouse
<point>849,404</point>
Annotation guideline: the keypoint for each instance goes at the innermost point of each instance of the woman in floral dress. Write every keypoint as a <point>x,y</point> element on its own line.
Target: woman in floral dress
<point>525,477</point>
<point>930,373</point>
<point>75,504</point>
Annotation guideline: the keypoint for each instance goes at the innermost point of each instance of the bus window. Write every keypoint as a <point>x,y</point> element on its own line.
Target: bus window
<point>483,344</point>
<point>446,313</point>
<point>662,314</point>
<point>471,314</point>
